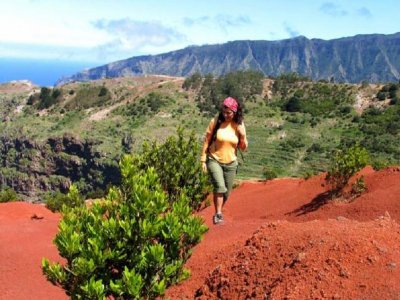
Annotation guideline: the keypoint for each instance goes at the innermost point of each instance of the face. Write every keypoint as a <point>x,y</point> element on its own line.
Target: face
<point>228,113</point>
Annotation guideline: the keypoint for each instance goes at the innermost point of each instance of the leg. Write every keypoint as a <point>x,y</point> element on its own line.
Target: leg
<point>217,178</point>
<point>229,177</point>
<point>218,202</point>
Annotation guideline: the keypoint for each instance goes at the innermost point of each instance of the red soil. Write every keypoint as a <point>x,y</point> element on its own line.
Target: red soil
<point>281,239</point>
<point>26,234</point>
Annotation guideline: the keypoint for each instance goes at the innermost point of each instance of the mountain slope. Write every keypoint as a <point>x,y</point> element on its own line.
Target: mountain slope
<point>374,58</point>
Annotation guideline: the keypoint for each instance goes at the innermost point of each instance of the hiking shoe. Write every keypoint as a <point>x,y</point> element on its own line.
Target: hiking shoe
<point>218,218</point>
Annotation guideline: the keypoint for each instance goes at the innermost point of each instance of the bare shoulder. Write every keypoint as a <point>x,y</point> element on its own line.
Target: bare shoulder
<point>241,124</point>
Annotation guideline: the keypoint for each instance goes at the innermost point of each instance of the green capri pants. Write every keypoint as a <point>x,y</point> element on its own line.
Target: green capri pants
<point>222,176</point>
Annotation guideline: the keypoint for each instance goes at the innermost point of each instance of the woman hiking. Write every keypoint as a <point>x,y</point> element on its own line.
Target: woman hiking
<point>224,135</point>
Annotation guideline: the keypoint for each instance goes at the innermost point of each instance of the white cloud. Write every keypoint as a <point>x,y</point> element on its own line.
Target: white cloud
<point>290,30</point>
<point>364,12</point>
<point>333,9</point>
<point>223,21</point>
<point>47,52</point>
<point>134,35</point>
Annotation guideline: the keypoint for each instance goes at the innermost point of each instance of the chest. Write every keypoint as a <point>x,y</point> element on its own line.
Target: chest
<point>227,134</point>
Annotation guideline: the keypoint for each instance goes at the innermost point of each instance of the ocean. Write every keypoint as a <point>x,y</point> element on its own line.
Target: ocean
<point>40,72</point>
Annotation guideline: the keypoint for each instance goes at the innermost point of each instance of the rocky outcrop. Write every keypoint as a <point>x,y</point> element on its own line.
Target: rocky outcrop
<point>31,168</point>
<point>373,58</point>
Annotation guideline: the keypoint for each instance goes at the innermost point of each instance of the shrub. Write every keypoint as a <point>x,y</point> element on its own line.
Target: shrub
<point>381,96</point>
<point>308,174</point>
<point>89,96</point>
<point>103,91</point>
<point>177,164</point>
<point>379,163</point>
<point>96,194</point>
<point>193,82</point>
<point>48,97</point>
<point>358,186</point>
<point>269,173</point>
<point>55,201</point>
<point>345,164</point>
<point>8,195</point>
<point>131,245</point>
<point>293,104</point>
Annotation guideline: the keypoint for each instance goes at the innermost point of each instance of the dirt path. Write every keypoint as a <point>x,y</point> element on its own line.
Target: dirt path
<point>281,239</point>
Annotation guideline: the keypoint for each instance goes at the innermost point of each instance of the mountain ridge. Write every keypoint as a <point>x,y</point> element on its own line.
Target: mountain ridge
<point>364,57</point>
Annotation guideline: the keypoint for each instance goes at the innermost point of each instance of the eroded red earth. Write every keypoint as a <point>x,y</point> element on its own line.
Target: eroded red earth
<point>281,239</point>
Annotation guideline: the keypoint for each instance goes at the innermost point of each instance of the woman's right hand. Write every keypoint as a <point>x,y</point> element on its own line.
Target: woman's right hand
<point>204,166</point>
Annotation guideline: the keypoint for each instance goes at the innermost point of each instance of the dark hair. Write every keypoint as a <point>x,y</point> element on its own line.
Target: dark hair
<point>237,118</point>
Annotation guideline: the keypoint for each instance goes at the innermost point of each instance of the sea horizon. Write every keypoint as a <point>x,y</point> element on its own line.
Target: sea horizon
<point>39,71</point>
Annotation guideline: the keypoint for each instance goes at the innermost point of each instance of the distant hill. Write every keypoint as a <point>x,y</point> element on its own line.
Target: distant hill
<point>372,58</point>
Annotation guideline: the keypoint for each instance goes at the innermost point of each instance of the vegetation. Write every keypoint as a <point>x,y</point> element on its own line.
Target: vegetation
<point>345,164</point>
<point>269,173</point>
<point>193,82</point>
<point>389,91</point>
<point>241,85</point>
<point>57,201</point>
<point>45,98</point>
<point>145,107</point>
<point>293,124</point>
<point>89,96</point>
<point>177,165</point>
<point>8,195</point>
<point>317,99</point>
<point>131,245</point>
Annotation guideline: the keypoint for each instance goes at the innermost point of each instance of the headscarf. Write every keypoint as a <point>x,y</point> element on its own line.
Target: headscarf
<point>231,103</point>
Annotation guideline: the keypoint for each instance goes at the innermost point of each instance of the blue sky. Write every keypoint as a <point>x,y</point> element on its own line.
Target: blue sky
<point>102,31</point>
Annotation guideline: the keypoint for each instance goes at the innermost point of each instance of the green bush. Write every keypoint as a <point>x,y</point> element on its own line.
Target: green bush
<point>381,96</point>
<point>308,174</point>
<point>132,245</point>
<point>177,164</point>
<point>103,91</point>
<point>47,97</point>
<point>8,195</point>
<point>89,96</point>
<point>344,165</point>
<point>55,201</point>
<point>148,105</point>
<point>241,85</point>
<point>358,186</point>
<point>269,173</point>
<point>193,82</point>
<point>379,163</point>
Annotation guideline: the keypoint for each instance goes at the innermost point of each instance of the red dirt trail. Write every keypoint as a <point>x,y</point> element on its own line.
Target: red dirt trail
<point>281,240</point>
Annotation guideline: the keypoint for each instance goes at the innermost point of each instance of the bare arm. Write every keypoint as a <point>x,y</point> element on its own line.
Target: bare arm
<point>207,140</point>
<point>243,143</point>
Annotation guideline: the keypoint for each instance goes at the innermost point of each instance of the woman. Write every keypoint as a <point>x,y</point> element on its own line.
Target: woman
<point>224,135</point>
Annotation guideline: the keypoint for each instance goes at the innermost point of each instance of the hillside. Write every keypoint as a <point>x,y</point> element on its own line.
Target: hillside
<point>372,58</point>
<point>77,132</point>
<point>280,240</point>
